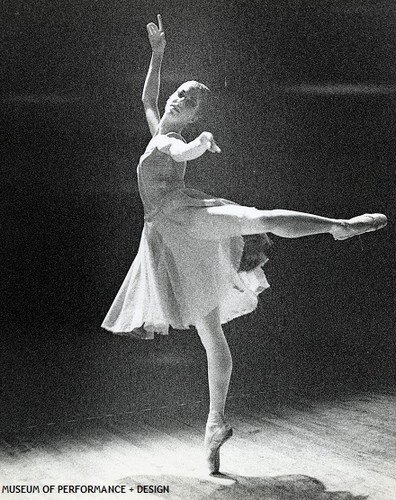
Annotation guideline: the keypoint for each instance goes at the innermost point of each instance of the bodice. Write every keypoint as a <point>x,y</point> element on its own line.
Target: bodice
<point>158,175</point>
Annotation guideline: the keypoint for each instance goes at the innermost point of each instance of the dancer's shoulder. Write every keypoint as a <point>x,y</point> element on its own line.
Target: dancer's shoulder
<point>163,142</point>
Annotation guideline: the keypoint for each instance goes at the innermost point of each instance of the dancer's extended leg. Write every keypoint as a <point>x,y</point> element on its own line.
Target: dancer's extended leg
<point>219,374</point>
<point>231,220</point>
<point>291,224</point>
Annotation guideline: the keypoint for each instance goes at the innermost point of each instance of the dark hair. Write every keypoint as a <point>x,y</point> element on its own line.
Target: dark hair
<point>256,249</point>
<point>198,85</point>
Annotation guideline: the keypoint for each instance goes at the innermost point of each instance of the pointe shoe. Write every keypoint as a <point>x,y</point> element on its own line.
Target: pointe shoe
<point>213,441</point>
<point>360,225</point>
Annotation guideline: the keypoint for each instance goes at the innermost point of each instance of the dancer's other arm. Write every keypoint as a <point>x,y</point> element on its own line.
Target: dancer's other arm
<point>181,151</point>
<point>151,87</point>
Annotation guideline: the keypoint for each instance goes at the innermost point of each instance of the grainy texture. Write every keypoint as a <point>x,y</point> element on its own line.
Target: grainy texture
<point>281,450</point>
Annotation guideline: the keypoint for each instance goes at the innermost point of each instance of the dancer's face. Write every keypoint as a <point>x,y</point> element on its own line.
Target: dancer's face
<point>183,105</point>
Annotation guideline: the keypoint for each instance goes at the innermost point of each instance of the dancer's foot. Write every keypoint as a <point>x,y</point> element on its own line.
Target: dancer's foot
<point>217,433</point>
<point>359,225</point>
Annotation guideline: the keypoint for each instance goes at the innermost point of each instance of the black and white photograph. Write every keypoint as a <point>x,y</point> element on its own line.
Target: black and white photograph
<point>199,252</point>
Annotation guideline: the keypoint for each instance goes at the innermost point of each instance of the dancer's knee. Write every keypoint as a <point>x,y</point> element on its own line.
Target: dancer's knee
<point>222,359</point>
<point>256,221</point>
<point>269,221</point>
<point>217,351</point>
<point>218,348</point>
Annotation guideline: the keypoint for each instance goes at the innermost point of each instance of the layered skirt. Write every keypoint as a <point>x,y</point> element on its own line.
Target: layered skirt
<point>189,262</point>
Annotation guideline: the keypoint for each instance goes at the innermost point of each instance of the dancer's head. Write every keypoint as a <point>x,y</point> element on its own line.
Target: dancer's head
<point>187,104</point>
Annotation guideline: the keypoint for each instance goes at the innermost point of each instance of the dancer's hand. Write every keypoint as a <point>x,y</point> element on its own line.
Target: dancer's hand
<point>207,139</point>
<point>156,35</point>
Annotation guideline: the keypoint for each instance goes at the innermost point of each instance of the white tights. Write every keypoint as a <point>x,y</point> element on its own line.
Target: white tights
<point>233,220</point>
<point>219,359</point>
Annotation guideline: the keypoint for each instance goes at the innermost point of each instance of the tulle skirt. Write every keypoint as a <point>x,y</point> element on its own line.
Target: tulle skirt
<point>186,267</point>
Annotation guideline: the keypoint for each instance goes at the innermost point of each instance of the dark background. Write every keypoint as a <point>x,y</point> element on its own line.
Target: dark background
<point>304,111</point>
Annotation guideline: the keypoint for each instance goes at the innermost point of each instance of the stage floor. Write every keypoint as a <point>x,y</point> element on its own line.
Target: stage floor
<point>281,450</point>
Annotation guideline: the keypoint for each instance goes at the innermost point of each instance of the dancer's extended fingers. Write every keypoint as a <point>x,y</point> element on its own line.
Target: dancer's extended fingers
<point>151,28</point>
<point>214,148</point>
<point>160,25</point>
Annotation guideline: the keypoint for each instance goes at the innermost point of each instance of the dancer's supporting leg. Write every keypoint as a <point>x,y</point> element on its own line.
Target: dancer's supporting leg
<point>219,374</point>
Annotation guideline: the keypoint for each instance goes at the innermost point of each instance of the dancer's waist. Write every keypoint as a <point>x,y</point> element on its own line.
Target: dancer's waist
<point>155,196</point>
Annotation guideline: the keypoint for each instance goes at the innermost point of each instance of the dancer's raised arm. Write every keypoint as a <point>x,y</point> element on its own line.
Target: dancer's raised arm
<point>151,87</point>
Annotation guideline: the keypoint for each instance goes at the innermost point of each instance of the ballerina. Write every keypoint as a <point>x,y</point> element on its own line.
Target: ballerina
<point>200,257</point>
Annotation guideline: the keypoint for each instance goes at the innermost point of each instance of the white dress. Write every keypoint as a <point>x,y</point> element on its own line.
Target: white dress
<point>184,267</point>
